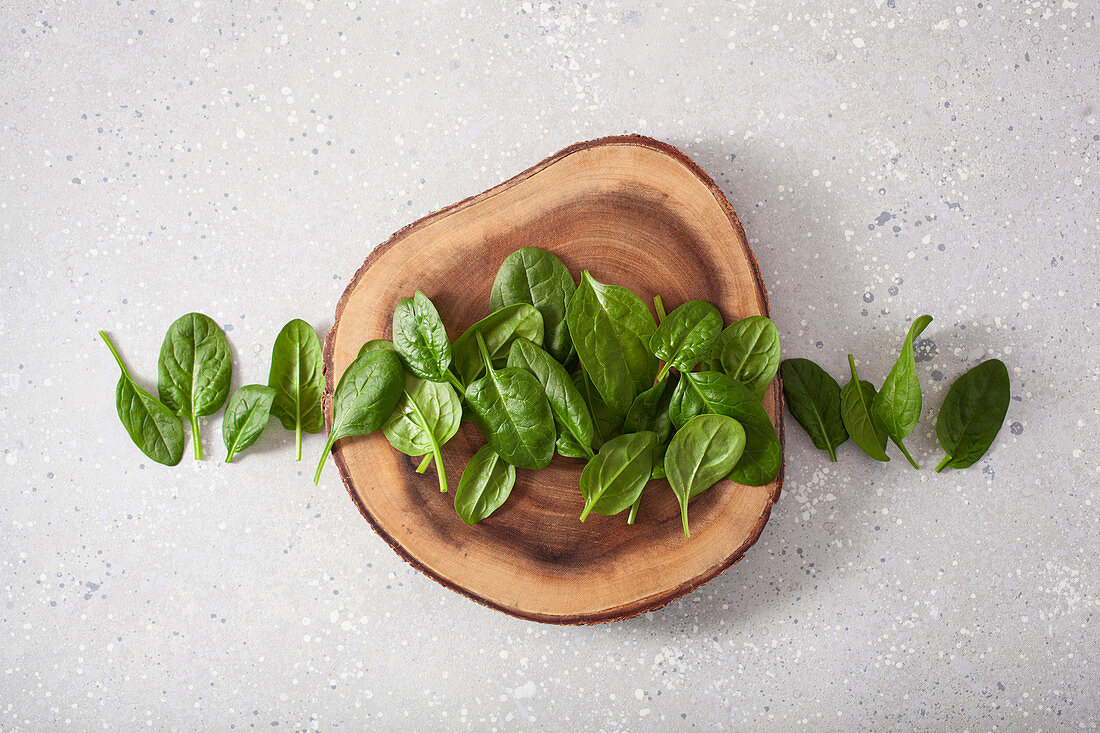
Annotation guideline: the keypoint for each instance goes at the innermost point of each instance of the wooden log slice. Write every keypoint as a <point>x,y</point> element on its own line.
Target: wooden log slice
<point>635,212</point>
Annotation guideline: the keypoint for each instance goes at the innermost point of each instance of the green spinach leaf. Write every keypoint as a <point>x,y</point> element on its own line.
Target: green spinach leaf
<point>485,485</point>
<point>194,370</point>
<point>606,423</point>
<point>614,479</point>
<point>537,277</point>
<point>374,344</point>
<point>813,397</point>
<point>700,454</point>
<point>574,422</point>
<point>426,417</point>
<point>972,414</point>
<point>365,396</point>
<point>685,336</point>
<point>297,378</point>
<point>750,352</point>
<point>154,428</point>
<point>513,414</point>
<point>498,330</point>
<point>898,404</point>
<point>246,416</point>
<point>856,398</point>
<point>420,337</point>
<point>650,411</point>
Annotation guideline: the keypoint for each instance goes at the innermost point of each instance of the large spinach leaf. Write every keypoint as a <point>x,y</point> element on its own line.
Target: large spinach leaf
<point>898,404</point>
<point>421,338</point>
<point>614,479</point>
<point>972,414</point>
<point>498,330</point>
<point>194,370</point>
<point>298,380</point>
<point>750,352</point>
<point>154,428</point>
<point>246,416</point>
<point>700,454</point>
<point>485,485</point>
<point>813,397</point>
<point>685,336</point>
<point>537,277</point>
<point>574,423</point>
<point>856,398</point>
<point>426,417</point>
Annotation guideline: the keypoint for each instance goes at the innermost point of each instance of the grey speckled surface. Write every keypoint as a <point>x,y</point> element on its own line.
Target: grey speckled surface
<point>241,159</point>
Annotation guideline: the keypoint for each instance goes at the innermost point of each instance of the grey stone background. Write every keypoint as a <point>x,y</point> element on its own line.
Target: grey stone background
<point>241,159</point>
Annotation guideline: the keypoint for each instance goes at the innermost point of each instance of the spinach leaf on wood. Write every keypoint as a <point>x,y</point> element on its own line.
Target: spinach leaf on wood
<point>365,396</point>
<point>685,336</point>
<point>813,397</point>
<point>574,422</point>
<point>498,330</point>
<point>856,398</point>
<point>426,417</point>
<point>614,479</point>
<point>537,277</point>
<point>374,344</point>
<point>897,406</point>
<point>246,416</point>
<point>700,454</point>
<point>154,428</point>
<point>421,338</point>
<point>750,352</point>
<point>297,378</point>
<point>194,370</point>
<point>485,485</point>
<point>513,414</point>
<point>650,411</point>
<point>606,423</point>
<point>972,414</point>
<point>611,328</point>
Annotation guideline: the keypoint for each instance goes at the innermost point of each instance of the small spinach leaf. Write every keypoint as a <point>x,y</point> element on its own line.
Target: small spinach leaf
<point>813,397</point>
<point>650,411</point>
<point>194,370</point>
<point>574,422</point>
<point>246,416</point>
<point>374,344</point>
<point>606,423</point>
<point>297,378</point>
<point>537,277</point>
<point>856,398</point>
<point>365,396</point>
<point>701,454</point>
<point>685,336</point>
<point>972,414</point>
<point>154,428</point>
<point>498,330</point>
<point>898,404</point>
<point>485,485</point>
<point>426,417</point>
<point>420,337</point>
<point>614,479</point>
<point>750,352</point>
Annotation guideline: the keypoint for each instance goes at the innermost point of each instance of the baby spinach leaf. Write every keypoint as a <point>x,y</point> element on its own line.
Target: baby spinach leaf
<point>537,277</point>
<point>574,423</point>
<point>606,423</point>
<point>513,414</point>
<point>484,487</point>
<point>813,397</point>
<point>194,370</point>
<point>246,416</point>
<point>685,336</point>
<point>750,352</point>
<point>721,394</point>
<point>898,404</point>
<point>972,414</point>
<point>700,454</point>
<point>376,344</point>
<point>365,396</point>
<point>421,338</point>
<point>650,411</point>
<point>426,417</point>
<point>614,479</point>
<point>498,330</point>
<point>611,328</point>
<point>297,378</point>
<point>856,398</point>
<point>154,428</point>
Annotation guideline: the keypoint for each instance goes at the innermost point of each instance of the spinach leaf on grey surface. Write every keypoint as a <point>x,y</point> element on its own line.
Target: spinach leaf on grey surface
<point>813,397</point>
<point>364,398</point>
<point>650,410</point>
<point>153,427</point>
<point>606,423</point>
<point>856,398</point>
<point>194,370</point>
<point>972,414</point>
<point>427,415</point>
<point>574,422</point>
<point>614,479</point>
<point>537,277</point>
<point>897,406</point>
<point>513,413</point>
<point>700,454</point>
<point>611,328</point>
<point>749,352</point>
<point>246,416</point>
<point>485,485</point>
<point>298,380</point>
<point>498,330</point>
<point>720,394</point>
<point>420,337</point>
<point>685,336</point>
